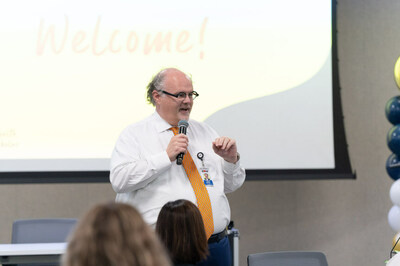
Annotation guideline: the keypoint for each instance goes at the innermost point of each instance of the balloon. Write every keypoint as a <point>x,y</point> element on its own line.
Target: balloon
<point>392,110</point>
<point>397,72</point>
<point>395,238</point>
<point>395,192</point>
<point>394,261</point>
<point>393,167</point>
<point>393,139</point>
<point>394,218</point>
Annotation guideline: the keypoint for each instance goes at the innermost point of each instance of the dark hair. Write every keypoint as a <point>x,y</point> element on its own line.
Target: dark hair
<point>181,229</point>
<point>114,234</point>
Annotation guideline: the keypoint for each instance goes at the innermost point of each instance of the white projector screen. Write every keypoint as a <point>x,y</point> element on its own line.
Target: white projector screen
<point>74,74</point>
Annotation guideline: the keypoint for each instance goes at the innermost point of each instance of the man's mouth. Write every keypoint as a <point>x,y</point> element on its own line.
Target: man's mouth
<point>184,110</point>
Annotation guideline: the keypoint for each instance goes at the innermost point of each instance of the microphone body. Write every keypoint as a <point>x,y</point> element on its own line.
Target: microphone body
<point>183,124</point>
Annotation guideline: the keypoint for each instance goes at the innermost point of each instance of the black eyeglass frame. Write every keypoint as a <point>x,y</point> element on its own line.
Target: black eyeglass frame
<point>182,95</point>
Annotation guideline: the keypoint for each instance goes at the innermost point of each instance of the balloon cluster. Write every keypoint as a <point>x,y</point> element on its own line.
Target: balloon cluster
<point>392,111</point>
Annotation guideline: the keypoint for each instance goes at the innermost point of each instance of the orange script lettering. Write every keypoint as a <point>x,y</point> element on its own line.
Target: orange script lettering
<point>58,40</point>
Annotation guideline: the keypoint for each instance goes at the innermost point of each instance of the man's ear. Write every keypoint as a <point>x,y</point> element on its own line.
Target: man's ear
<point>156,96</point>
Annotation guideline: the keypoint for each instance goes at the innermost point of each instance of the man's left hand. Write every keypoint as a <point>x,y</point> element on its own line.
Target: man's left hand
<point>226,148</point>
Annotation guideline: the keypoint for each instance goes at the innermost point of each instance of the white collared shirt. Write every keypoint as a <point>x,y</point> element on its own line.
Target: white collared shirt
<point>142,174</point>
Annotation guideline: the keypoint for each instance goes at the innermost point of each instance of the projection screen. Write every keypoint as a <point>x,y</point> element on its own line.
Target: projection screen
<point>74,75</point>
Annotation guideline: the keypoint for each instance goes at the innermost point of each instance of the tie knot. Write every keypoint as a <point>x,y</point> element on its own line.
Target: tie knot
<point>175,130</point>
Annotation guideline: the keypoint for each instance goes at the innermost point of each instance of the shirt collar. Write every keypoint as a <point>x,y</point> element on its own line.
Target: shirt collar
<point>160,124</point>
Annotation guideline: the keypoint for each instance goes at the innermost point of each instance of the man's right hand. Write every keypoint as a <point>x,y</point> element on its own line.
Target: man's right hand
<point>177,144</point>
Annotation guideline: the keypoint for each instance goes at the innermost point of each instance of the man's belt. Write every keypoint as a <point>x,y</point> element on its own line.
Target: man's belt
<point>217,237</point>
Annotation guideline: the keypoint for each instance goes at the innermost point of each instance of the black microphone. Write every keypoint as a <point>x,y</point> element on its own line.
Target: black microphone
<point>183,124</point>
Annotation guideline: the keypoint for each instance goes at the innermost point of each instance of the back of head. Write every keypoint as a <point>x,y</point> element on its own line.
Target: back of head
<point>181,229</point>
<point>114,234</point>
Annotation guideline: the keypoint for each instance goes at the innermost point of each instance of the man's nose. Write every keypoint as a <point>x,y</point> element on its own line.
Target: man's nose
<point>187,99</point>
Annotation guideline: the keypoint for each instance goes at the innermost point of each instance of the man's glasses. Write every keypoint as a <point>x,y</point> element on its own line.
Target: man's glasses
<point>182,95</point>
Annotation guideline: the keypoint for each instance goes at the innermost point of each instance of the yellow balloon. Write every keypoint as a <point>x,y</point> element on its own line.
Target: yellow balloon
<point>395,238</point>
<point>397,72</point>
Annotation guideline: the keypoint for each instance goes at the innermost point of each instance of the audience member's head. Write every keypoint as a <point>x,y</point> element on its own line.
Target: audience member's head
<point>181,229</point>
<point>114,234</point>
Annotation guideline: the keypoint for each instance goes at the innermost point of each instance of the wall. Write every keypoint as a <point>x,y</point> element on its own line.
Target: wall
<point>346,219</point>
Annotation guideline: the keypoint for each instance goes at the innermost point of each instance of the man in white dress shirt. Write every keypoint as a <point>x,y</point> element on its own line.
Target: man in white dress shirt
<point>143,168</point>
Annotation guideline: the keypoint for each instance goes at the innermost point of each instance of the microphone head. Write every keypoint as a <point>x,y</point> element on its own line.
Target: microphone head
<point>183,123</point>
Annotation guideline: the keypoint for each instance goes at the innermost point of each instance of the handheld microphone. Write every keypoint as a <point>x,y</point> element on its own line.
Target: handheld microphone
<point>183,124</point>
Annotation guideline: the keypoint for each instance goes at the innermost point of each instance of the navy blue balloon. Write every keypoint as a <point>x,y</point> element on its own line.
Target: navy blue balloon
<point>392,110</point>
<point>393,166</point>
<point>393,139</point>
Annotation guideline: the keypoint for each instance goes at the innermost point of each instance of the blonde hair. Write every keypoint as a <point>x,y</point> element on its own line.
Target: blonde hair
<point>114,234</point>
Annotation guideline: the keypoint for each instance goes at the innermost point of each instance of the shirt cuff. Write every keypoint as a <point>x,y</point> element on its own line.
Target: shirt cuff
<point>231,167</point>
<point>160,161</point>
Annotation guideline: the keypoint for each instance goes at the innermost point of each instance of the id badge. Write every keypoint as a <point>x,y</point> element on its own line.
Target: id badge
<point>206,177</point>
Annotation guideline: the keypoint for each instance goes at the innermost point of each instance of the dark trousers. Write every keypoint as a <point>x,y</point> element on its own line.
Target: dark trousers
<point>220,254</point>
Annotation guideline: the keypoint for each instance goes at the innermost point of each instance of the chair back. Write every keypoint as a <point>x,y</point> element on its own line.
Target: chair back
<point>41,231</point>
<point>287,258</point>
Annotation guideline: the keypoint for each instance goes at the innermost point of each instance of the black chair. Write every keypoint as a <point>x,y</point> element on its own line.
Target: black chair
<point>287,258</point>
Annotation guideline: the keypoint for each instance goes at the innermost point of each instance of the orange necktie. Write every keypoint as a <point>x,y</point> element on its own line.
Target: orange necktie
<point>200,190</point>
